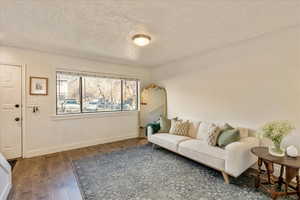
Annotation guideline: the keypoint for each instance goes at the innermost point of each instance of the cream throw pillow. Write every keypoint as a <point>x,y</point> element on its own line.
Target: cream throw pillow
<point>193,130</point>
<point>179,127</point>
<point>203,129</point>
<point>209,132</point>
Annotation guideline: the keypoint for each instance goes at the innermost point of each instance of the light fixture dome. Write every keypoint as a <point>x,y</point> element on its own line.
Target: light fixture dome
<point>141,39</point>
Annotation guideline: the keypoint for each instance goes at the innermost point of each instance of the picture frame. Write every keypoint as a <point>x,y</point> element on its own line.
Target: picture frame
<point>38,86</point>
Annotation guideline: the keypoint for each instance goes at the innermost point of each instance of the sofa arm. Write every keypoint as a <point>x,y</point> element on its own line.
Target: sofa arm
<point>149,132</point>
<point>239,157</point>
<point>4,164</point>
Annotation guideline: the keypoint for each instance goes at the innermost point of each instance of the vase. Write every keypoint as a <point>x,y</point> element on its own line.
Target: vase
<point>276,150</point>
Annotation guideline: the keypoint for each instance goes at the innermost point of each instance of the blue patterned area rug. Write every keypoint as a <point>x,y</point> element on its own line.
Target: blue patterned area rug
<point>142,174</point>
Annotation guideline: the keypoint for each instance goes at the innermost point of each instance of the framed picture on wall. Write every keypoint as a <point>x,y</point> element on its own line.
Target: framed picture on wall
<point>38,86</point>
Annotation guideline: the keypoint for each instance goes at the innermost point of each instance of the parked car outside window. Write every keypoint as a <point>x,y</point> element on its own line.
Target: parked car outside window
<point>71,106</point>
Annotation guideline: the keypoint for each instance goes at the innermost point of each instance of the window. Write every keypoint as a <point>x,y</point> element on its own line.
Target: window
<point>68,93</point>
<point>78,93</point>
<point>129,95</point>
<point>101,94</point>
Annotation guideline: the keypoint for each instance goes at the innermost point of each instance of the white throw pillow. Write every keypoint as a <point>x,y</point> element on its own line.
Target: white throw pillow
<point>203,129</point>
<point>209,132</point>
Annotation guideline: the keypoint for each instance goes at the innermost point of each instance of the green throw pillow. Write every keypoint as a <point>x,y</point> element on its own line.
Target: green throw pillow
<point>228,136</point>
<point>165,124</point>
<point>226,127</point>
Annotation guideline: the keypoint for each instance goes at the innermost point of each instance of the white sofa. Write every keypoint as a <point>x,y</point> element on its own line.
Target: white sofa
<point>233,160</point>
<point>5,178</point>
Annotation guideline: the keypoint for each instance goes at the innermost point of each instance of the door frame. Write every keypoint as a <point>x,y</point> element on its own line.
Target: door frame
<point>23,106</point>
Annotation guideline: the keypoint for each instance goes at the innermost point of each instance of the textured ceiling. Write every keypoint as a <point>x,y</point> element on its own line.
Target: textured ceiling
<point>102,29</point>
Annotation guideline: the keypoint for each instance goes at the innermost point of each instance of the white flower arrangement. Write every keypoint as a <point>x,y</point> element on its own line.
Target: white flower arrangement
<point>276,131</point>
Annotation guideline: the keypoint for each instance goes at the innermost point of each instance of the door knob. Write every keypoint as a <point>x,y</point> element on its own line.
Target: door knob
<point>17,119</point>
<point>17,105</point>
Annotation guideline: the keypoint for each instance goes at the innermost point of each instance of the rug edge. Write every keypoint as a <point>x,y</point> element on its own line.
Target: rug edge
<point>83,196</point>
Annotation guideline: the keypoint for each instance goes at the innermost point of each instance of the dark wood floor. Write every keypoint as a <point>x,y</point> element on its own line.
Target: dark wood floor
<point>51,177</point>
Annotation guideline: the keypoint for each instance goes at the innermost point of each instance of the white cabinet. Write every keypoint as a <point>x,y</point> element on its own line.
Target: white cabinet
<point>5,178</point>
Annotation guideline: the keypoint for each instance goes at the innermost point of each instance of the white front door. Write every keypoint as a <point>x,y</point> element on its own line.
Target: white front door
<point>10,111</point>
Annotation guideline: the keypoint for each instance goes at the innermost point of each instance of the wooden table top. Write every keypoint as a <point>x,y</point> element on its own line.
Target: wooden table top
<point>263,152</point>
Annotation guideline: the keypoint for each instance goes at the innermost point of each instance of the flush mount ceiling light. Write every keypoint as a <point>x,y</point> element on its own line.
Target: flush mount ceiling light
<point>141,40</point>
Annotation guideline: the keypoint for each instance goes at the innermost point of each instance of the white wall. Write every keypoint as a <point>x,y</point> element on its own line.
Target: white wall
<point>46,133</point>
<point>246,83</point>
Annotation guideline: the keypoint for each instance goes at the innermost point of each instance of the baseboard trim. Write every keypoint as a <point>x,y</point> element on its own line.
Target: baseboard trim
<point>6,191</point>
<point>67,147</point>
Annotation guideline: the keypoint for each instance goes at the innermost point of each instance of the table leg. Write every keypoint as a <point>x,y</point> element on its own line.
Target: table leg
<point>290,174</point>
<point>298,185</point>
<point>257,181</point>
<point>270,170</point>
<point>286,188</point>
<point>280,179</point>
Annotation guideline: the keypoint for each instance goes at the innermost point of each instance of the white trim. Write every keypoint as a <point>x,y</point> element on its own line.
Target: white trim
<point>98,114</point>
<point>94,115</point>
<point>40,152</point>
<point>96,74</point>
<point>24,87</point>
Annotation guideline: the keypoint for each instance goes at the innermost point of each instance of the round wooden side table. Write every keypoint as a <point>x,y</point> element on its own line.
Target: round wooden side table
<point>273,184</point>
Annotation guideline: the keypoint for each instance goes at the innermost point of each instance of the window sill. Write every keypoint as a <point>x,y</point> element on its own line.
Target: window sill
<point>93,115</point>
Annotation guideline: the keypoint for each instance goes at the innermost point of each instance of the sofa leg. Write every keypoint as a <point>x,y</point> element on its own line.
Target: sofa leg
<point>153,146</point>
<point>226,177</point>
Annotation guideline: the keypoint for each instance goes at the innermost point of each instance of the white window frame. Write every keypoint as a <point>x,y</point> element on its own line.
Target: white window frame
<point>91,74</point>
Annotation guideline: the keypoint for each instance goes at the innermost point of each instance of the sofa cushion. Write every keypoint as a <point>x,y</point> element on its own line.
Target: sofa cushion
<point>167,140</point>
<point>200,146</point>
<point>199,151</point>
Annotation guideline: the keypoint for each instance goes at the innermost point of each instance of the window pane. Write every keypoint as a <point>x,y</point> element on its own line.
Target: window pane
<point>101,94</point>
<point>68,95</point>
<point>129,95</point>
